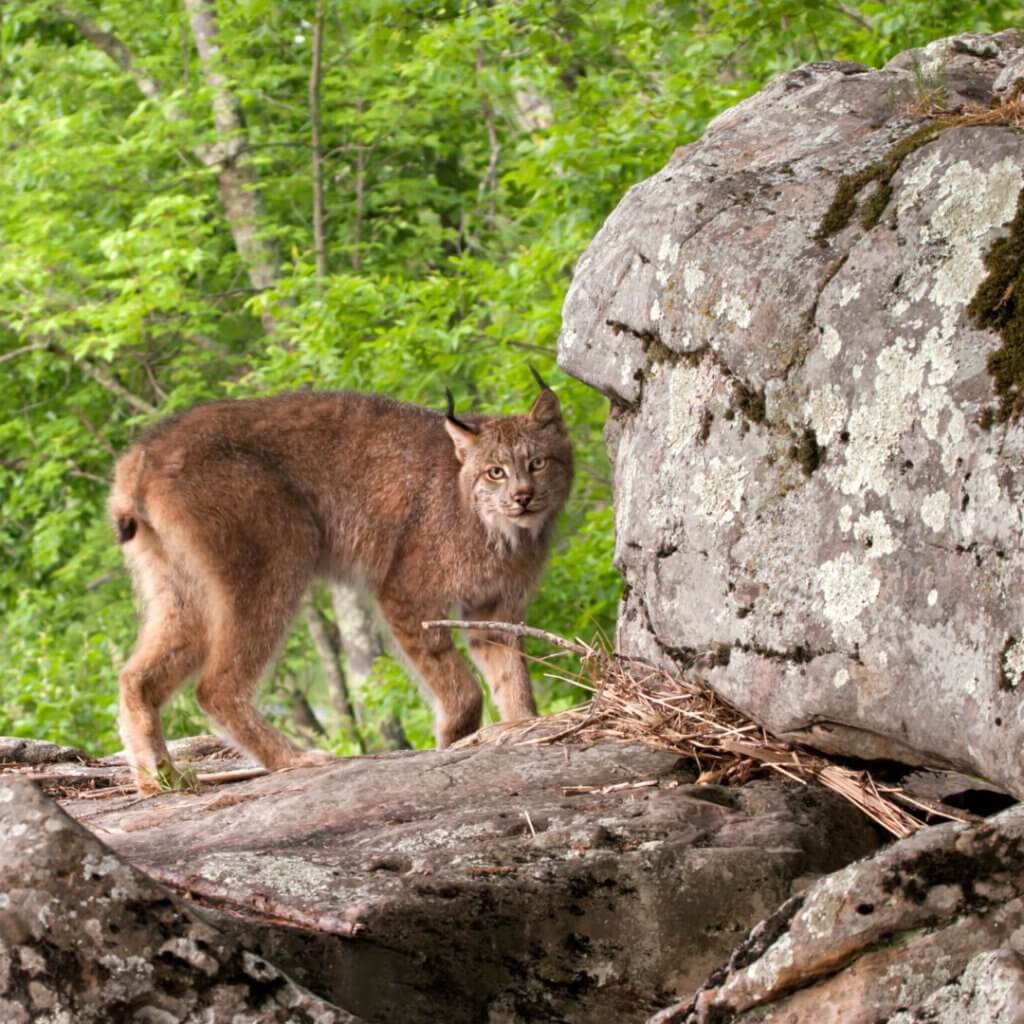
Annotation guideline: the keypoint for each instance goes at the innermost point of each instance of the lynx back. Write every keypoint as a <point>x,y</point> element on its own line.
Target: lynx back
<point>226,514</point>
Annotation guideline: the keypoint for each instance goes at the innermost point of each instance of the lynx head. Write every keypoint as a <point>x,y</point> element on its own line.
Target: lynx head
<point>516,470</point>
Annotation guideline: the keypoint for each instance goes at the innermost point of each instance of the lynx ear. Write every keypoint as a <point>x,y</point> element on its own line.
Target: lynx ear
<point>462,434</point>
<point>546,407</point>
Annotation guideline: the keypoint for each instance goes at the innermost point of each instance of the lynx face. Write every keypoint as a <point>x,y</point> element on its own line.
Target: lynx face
<point>516,471</point>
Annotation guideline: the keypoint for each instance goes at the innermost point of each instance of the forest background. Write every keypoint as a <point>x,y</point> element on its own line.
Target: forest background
<point>205,199</point>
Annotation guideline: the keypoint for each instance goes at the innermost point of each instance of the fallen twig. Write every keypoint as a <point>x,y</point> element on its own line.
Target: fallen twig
<point>513,629</point>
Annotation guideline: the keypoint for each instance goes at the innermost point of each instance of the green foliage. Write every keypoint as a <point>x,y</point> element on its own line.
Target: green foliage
<point>471,150</point>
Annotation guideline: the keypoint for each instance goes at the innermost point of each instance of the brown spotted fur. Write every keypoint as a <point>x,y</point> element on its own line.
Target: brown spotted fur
<point>226,513</point>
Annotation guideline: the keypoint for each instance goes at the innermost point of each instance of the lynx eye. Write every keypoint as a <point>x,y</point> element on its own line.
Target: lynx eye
<point>496,473</point>
<point>538,463</point>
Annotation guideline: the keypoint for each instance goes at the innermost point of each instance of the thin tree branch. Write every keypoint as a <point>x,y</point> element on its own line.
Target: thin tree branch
<point>114,386</point>
<point>95,434</point>
<point>114,49</point>
<point>14,353</point>
<point>513,629</point>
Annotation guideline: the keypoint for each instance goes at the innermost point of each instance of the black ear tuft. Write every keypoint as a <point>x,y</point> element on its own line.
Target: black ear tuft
<point>538,378</point>
<point>450,413</point>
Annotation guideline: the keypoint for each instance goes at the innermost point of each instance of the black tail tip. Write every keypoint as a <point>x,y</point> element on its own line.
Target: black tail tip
<point>127,527</point>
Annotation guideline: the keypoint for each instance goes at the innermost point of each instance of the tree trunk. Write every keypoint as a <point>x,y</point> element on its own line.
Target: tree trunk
<point>236,179</point>
<point>361,644</point>
<point>316,150</point>
<point>329,652</point>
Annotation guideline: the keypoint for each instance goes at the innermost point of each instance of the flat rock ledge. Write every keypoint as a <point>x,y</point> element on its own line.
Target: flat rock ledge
<point>497,884</point>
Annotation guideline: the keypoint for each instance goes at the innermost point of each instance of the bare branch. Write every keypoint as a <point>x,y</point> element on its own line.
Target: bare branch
<point>14,353</point>
<point>513,629</point>
<point>113,48</point>
<point>95,434</point>
<point>114,386</point>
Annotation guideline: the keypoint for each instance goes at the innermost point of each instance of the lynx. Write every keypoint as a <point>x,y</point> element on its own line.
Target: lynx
<point>226,513</point>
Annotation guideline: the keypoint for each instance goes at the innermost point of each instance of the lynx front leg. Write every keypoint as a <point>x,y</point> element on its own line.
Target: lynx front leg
<point>458,703</point>
<point>500,660</point>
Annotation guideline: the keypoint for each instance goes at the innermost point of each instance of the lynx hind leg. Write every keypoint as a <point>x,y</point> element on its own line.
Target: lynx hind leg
<point>170,647</point>
<point>458,702</point>
<point>499,657</point>
<point>249,620</point>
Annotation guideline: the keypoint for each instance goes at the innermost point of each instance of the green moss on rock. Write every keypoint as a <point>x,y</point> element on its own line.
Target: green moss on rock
<point>881,173</point>
<point>997,306</point>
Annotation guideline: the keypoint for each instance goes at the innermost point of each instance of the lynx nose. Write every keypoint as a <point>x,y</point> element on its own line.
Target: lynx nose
<point>523,497</point>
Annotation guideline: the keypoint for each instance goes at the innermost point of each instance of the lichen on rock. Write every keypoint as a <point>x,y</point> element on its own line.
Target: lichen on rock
<point>827,451</point>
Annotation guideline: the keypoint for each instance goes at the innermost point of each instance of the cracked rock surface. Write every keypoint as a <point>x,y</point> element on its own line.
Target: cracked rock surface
<point>499,884</point>
<point>802,481</point>
<point>87,939</point>
<point>929,930</point>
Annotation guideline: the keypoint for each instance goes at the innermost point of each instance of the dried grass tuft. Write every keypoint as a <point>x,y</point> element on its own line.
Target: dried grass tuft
<point>635,701</point>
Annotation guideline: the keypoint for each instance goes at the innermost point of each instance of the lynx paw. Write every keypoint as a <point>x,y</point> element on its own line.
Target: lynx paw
<point>312,759</point>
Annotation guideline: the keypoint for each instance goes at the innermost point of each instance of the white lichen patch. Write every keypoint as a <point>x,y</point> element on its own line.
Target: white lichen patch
<point>137,965</point>
<point>831,343</point>
<point>986,495</point>
<point>603,973</point>
<point>569,339</point>
<point>732,308</point>
<point>933,598</point>
<point>849,292</point>
<point>668,251</point>
<point>94,866</point>
<point>1013,663</point>
<point>188,950</point>
<point>764,973</point>
<point>719,489</point>
<point>971,201</point>
<point>845,518</point>
<point>840,679</point>
<point>848,588</point>
<point>874,533</point>
<point>693,278</point>
<point>655,311</point>
<point>935,510</point>
<point>825,410</point>
<point>31,960</point>
<point>442,838</point>
<point>899,399</point>
<point>291,876</point>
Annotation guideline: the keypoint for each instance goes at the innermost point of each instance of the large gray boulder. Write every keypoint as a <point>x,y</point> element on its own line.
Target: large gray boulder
<point>819,471</point>
<point>499,884</point>
<point>929,930</point>
<point>87,939</point>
